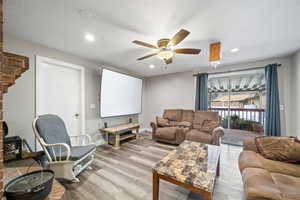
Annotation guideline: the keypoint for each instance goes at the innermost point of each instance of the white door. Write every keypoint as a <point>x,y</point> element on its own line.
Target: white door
<point>60,91</point>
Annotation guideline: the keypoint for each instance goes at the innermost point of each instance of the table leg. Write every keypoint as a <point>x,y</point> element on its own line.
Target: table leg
<point>138,136</point>
<point>117,141</point>
<point>155,186</point>
<point>218,168</point>
<point>207,196</point>
<point>107,138</point>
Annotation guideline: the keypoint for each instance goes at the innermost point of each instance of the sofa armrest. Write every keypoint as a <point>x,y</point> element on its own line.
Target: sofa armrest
<point>219,130</point>
<point>249,145</point>
<point>180,134</point>
<point>154,127</point>
<point>217,134</point>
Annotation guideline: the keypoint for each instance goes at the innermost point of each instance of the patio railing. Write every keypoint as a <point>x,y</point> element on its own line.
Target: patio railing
<point>257,115</point>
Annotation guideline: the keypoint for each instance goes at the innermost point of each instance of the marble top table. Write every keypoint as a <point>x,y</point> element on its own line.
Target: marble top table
<point>17,168</point>
<point>192,165</point>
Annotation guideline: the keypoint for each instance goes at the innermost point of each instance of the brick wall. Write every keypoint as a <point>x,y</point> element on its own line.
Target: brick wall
<point>1,99</point>
<point>11,68</point>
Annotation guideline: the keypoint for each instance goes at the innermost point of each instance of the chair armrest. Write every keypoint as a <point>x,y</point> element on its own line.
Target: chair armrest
<point>58,145</point>
<point>217,134</point>
<point>82,139</point>
<point>154,127</point>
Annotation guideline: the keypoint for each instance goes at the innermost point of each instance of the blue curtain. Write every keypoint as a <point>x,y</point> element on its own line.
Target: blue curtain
<point>201,101</point>
<point>272,124</point>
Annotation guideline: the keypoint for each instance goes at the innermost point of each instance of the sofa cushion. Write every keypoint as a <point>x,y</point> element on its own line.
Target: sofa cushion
<point>258,184</point>
<point>289,186</point>
<point>261,184</point>
<point>174,123</point>
<point>200,116</point>
<point>188,116</point>
<point>208,125</point>
<point>183,129</point>
<point>197,126</point>
<point>199,136</point>
<point>162,122</point>
<point>173,114</point>
<point>167,133</point>
<point>185,124</point>
<point>285,149</point>
<point>250,159</point>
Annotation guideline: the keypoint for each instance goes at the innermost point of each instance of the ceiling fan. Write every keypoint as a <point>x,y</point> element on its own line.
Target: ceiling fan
<point>165,47</point>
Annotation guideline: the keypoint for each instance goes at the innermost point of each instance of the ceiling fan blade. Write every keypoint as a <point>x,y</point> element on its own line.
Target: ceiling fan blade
<point>168,61</point>
<point>187,51</point>
<point>178,37</point>
<point>147,56</point>
<point>144,44</point>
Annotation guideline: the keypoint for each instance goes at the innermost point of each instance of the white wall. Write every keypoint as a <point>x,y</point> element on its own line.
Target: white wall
<point>19,102</point>
<point>167,91</point>
<point>160,92</point>
<point>178,90</point>
<point>294,119</point>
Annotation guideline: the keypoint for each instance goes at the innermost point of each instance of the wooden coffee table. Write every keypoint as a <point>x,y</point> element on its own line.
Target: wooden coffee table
<point>192,165</point>
<point>118,129</point>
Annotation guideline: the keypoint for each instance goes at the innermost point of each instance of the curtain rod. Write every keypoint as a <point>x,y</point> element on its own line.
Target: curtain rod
<point>238,70</point>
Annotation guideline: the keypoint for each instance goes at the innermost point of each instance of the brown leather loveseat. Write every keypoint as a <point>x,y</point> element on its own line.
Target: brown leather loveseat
<point>268,179</point>
<point>178,125</point>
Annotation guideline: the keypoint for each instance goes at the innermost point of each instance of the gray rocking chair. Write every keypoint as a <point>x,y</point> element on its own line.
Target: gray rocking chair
<point>65,160</point>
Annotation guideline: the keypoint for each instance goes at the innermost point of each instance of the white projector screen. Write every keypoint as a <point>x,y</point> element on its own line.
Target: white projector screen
<point>120,94</point>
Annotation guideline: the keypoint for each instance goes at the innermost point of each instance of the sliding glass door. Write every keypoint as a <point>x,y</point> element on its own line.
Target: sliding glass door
<point>239,98</point>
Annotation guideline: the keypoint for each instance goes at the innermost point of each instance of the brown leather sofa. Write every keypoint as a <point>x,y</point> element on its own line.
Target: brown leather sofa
<point>266,179</point>
<point>178,125</point>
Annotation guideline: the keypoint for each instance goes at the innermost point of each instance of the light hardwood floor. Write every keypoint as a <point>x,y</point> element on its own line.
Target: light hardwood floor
<point>125,174</point>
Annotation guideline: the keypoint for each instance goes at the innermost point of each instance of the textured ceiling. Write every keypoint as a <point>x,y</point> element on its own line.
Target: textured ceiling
<point>261,29</point>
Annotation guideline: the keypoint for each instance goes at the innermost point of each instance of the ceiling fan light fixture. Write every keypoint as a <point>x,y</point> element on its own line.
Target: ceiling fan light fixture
<point>165,47</point>
<point>165,54</point>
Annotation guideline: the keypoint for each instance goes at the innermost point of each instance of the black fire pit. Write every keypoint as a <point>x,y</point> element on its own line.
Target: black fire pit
<point>31,186</point>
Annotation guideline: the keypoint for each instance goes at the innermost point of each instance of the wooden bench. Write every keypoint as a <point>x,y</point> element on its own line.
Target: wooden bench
<point>116,132</point>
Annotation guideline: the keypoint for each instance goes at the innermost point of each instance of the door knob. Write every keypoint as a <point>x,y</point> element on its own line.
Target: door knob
<point>77,115</point>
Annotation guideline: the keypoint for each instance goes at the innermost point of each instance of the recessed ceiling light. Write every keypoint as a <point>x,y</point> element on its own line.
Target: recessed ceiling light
<point>89,37</point>
<point>234,50</point>
<point>151,66</point>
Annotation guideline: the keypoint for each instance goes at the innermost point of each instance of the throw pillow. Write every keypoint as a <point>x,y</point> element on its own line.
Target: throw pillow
<point>209,125</point>
<point>197,126</point>
<point>284,149</point>
<point>162,122</point>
